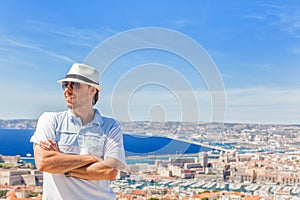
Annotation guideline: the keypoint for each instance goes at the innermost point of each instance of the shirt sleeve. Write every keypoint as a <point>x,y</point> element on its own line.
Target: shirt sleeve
<point>45,128</point>
<point>114,149</point>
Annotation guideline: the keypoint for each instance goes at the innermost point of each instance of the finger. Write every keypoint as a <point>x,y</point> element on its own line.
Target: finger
<point>52,142</point>
<point>45,146</point>
<point>53,145</point>
<point>43,143</point>
<point>54,148</point>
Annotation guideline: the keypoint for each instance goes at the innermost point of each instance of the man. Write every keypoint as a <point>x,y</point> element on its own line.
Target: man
<point>78,150</point>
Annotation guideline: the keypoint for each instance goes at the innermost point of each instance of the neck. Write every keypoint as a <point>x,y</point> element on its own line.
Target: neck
<point>85,115</point>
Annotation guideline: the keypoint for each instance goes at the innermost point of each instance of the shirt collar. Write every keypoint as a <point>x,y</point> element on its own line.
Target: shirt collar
<point>72,117</point>
<point>97,121</point>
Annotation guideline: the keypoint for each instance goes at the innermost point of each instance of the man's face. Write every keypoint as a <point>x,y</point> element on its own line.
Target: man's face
<point>76,94</point>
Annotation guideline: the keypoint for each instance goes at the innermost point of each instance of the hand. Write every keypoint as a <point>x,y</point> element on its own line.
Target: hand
<point>49,145</point>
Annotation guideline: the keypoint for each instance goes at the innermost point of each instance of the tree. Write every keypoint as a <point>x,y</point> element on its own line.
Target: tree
<point>205,191</point>
<point>3,193</point>
<point>34,194</point>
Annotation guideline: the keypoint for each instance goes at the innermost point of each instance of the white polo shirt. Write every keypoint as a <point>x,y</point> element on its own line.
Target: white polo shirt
<point>101,137</point>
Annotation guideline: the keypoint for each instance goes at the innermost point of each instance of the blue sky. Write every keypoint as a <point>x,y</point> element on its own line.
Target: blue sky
<point>255,46</point>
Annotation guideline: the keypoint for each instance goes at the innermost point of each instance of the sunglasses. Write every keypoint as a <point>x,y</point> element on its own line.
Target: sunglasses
<point>73,85</point>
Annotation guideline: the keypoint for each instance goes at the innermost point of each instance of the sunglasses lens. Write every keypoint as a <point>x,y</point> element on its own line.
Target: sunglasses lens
<point>64,85</point>
<point>73,85</point>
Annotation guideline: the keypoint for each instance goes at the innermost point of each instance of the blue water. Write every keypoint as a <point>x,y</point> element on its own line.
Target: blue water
<point>16,142</point>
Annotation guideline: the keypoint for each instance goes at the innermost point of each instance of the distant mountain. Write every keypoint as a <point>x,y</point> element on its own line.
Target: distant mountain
<point>18,124</point>
<point>162,128</point>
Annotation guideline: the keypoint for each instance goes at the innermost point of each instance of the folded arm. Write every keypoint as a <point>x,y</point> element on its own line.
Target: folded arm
<point>49,159</point>
<point>55,162</point>
<point>94,171</point>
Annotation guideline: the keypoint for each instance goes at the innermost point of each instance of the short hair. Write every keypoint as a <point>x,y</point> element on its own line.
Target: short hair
<point>95,98</point>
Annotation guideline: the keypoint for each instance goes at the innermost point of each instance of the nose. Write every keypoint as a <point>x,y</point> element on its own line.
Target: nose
<point>67,85</point>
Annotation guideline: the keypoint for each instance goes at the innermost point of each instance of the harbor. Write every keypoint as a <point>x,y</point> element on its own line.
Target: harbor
<point>189,187</point>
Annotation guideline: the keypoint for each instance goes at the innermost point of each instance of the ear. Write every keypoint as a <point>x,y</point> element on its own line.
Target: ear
<point>92,91</point>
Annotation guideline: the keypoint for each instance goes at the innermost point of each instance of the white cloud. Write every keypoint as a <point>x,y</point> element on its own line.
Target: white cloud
<point>177,105</point>
<point>68,34</point>
<point>256,17</point>
<point>181,23</point>
<point>284,16</point>
<point>263,105</point>
<point>16,43</point>
<point>251,105</point>
<point>28,100</point>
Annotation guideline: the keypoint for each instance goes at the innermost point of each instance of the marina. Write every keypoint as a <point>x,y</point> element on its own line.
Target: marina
<point>235,186</point>
<point>190,185</point>
<point>252,187</point>
<point>221,186</point>
<point>295,190</point>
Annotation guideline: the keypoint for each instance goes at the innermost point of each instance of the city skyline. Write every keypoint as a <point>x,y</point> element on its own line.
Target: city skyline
<point>254,46</point>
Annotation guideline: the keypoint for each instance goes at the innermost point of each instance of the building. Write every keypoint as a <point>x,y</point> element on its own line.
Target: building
<point>21,177</point>
<point>10,159</point>
<point>203,159</point>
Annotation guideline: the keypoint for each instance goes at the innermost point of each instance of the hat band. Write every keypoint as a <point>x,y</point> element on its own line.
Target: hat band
<point>82,78</point>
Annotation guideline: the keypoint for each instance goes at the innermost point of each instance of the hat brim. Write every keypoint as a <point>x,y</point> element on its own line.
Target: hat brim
<point>98,87</point>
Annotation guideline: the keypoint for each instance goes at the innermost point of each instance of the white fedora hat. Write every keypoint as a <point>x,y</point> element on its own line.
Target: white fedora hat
<point>83,73</point>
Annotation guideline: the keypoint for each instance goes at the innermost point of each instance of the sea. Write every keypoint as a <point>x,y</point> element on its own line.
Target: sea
<point>17,142</point>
